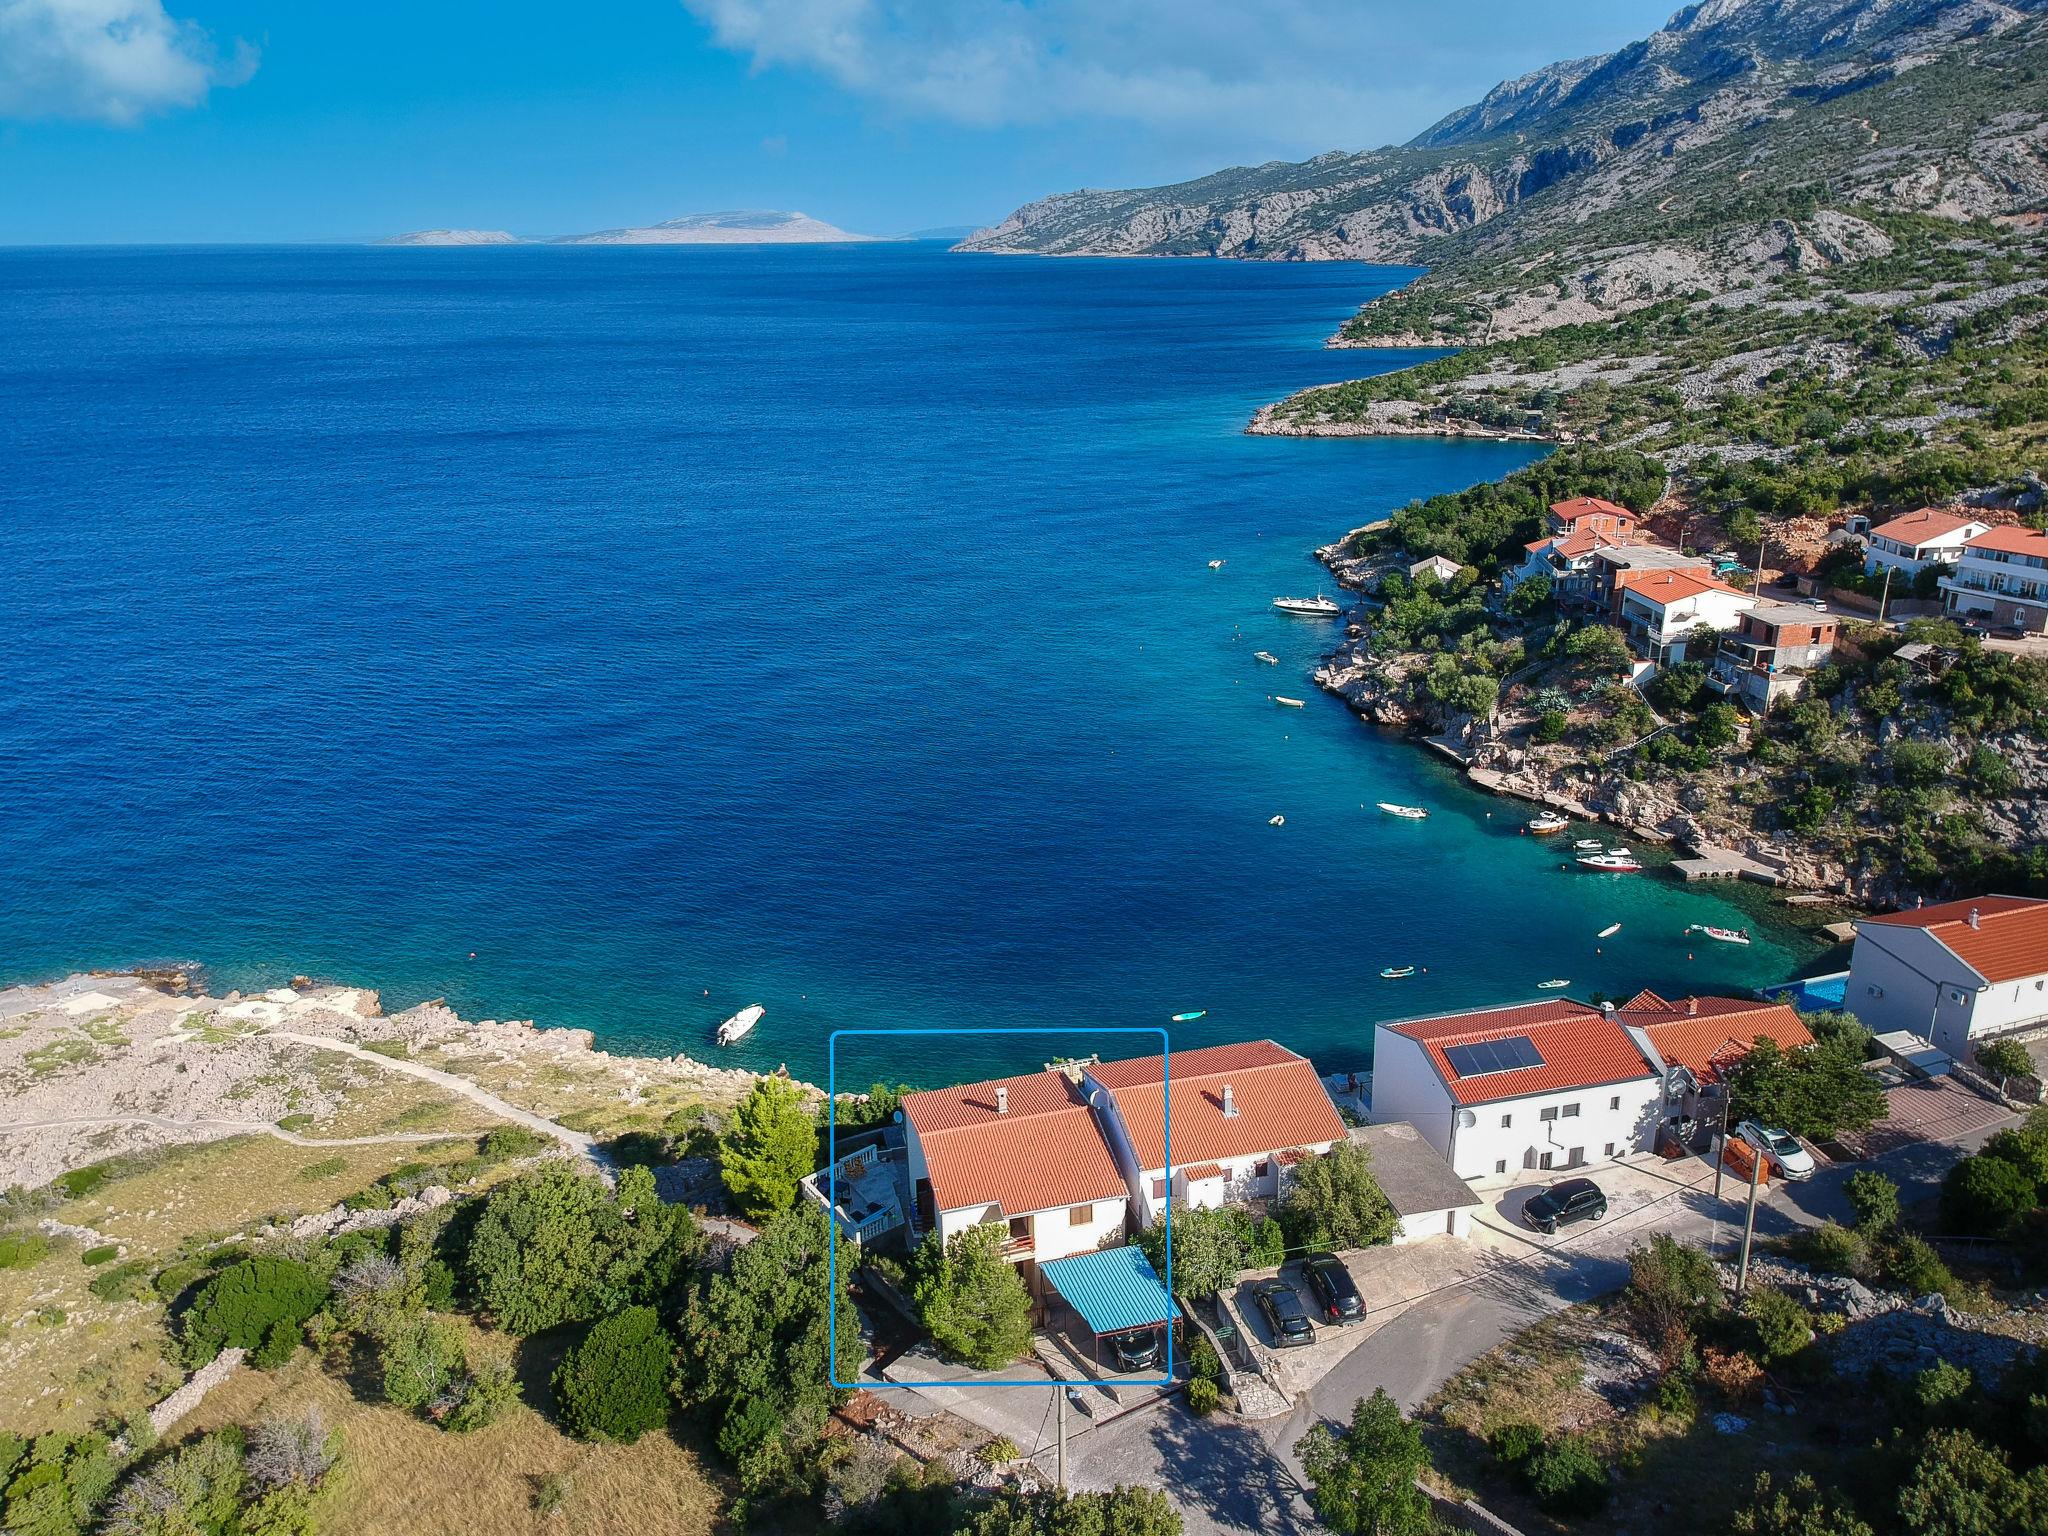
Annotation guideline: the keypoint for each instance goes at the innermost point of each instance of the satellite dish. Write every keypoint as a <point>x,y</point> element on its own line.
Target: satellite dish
<point>1467,1119</point>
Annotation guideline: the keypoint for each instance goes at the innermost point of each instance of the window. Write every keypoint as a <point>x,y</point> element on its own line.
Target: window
<point>1547,1114</point>
<point>1506,1122</point>
<point>1261,1168</point>
<point>1615,1102</point>
<point>1500,1165</point>
<point>1610,1149</point>
<point>1080,1215</point>
<point>1020,1226</point>
<point>1571,1111</point>
<point>1159,1189</point>
<point>1544,1161</point>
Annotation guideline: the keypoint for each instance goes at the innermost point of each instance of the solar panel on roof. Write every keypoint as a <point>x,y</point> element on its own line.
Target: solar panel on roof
<point>1483,1057</point>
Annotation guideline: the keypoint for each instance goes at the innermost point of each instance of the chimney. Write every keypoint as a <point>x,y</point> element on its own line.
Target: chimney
<point>1606,1008</point>
<point>1002,1101</point>
<point>1975,922</point>
<point>1692,1004</point>
<point>1229,1103</point>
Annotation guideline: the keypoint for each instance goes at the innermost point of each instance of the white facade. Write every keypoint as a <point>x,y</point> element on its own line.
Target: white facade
<point>2000,586</point>
<point>1659,626</point>
<point>1550,1131</point>
<point>1901,977</point>
<point>1046,1234</point>
<point>1417,1225</point>
<point>1906,560</point>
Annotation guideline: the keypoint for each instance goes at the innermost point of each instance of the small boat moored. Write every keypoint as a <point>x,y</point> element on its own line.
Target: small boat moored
<point>741,1022</point>
<point>1189,1018</point>
<point>1396,972</point>
<point>1281,698</point>
<point>1617,861</point>
<point>1267,657</point>
<point>1317,607</point>
<point>1554,984</point>
<point>1609,931</point>
<point>1589,845</point>
<point>1405,812</point>
<point>1547,823</point>
<point>1723,935</point>
<point>1277,821</point>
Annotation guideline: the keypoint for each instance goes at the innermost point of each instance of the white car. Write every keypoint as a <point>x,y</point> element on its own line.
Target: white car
<point>1788,1159</point>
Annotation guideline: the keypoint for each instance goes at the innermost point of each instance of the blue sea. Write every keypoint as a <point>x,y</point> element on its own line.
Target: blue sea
<point>615,637</point>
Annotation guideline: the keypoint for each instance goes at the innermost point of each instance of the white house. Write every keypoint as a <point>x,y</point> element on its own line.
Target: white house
<point>1952,973</point>
<point>1240,1116</point>
<point>1907,545</point>
<point>1538,1086</point>
<point>1025,1151</point>
<point>1426,1195</point>
<point>2002,579</point>
<point>1442,567</point>
<point>1659,608</point>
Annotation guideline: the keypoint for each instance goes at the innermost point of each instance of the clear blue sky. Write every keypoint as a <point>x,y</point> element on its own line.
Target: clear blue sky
<point>227,120</point>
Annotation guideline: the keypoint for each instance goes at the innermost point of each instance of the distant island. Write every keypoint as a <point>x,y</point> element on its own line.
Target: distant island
<point>740,227</point>
<point>452,237</point>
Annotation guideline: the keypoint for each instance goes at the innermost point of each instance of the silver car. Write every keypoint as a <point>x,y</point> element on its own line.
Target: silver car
<point>1781,1149</point>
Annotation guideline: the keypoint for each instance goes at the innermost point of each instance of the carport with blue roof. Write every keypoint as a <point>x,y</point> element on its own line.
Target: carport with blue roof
<point>1109,1293</point>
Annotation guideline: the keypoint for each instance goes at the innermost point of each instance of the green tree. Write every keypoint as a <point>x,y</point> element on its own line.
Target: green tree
<point>1598,648</point>
<point>1875,1200</point>
<point>1211,1248</point>
<point>1568,1477</point>
<point>1530,597</point>
<point>1362,1479</point>
<point>1718,727</point>
<point>418,1360</point>
<point>1961,1487</point>
<point>2025,1146</point>
<point>1800,1510</point>
<point>1671,1286</point>
<point>757,1333</point>
<point>613,1383</point>
<point>973,1303</point>
<point>248,1302</point>
<point>1817,1091</point>
<point>1982,1196</point>
<point>767,1147</point>
<point>2005,1058</point>
<point>1779,1325</point>
<point>1051,1512</point>
<point>1335,1202</point>
<point>558,1246</point>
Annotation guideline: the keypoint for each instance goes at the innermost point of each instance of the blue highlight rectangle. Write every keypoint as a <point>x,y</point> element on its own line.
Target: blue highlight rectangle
<point>832,1199</point>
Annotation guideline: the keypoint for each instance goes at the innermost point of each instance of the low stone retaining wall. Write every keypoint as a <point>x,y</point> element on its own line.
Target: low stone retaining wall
<point>189,1396</point>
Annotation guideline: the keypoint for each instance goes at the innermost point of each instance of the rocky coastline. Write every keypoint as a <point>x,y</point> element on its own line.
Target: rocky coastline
<point>1385,418</point>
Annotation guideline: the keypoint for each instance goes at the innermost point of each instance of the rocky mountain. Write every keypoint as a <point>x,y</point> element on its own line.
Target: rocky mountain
<point>1727,87</point>
<point>452,237</point>
<point>737,227</point>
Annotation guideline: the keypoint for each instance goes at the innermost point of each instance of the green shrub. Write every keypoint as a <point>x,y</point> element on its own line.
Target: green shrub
<point>326,1168</point>
<point>1831,1248</point>
<point>505,1142</point>
<point>1912,1265</point>
<point>1674,1400</point>
<point>483,1395</point>
<point>295,1123</point>
<point>124,1282</point>
<point>1203,1396</point>
<point>1875,1200</point>
<point>1983,1196</point>
<point>1203,1361</point>
<point>280,1342</point>
<point>1515,1443</point>
<point>437,1285</point>
<point>18,1250</point>
<point>80,1182</point>
<point>613,1385</point>
<point>240,1306</point>
<point>1567,1478</point>
<point>999,1452</point>
<point>1778,1323</point>
<point>100,1254</point>
<point>749,1424</point>
<point>417,1361</point>
<point>1941,1388</point>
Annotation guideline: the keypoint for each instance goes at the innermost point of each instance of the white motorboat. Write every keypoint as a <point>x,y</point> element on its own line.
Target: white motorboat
<point>1547,823</point>
<point>1317,607</point>
<point>1267,657</point>
<point>1609,931</point>
<point>1615,861</point>
<point>1281,698</point>
<point>1277,821</point>
<point>740,1023</point>
<point>1589,845</point>
<point>1215,565</point>
<point>1556,983</point>
<point>1723,935</point>
<point>1406,812</point>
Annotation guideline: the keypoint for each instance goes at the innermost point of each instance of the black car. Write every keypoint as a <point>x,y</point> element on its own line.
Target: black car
<point>1136,1351</point>
<point>1562,1204</point>
<point>1334,1288</point>
<point>1285,1314</point>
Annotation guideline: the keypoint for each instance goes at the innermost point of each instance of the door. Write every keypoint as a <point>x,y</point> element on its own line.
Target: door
<point>1545,1161</point>
<point>1575,1157</point>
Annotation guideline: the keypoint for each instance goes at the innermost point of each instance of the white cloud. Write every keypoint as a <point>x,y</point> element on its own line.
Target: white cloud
<point>112,61</point>
<point>1313,74</point>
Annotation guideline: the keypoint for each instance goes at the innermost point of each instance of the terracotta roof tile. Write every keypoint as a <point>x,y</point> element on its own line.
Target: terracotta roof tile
<point>1579,507</point>
<point>1280,1102</point>
<point>1202,1171</point>
<point>2012,541</point>
<point>1046,1152</point>
<point>2010,940</point>
<point>1916,528</point>
<point>1581,1047</point>
<point>1706,1034</point>
<point>1670,586</point>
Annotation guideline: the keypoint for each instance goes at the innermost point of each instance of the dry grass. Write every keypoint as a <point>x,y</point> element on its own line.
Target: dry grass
<point>379,1102</point>
<point>104,1358</point>
<point>402,1474</point>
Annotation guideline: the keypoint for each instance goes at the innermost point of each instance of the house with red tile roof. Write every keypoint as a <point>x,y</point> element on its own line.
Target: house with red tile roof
<point>1239,1117</point>
<point>1908,544</point>
<point>1658,609</point>
<point>1699,1038</point>
<point>1502,1092</point>
<point>1952,973</point>
<point>1592,514</point>
<point>1072,1155</point>
<point>2001,579</point>
<point>1566,557</point>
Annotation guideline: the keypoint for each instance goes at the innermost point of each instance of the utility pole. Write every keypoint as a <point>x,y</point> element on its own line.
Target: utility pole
<point>1721,1151</point>
<point>1886,595</point>
<point>1059,1396</point>
<point>1756,1170</point>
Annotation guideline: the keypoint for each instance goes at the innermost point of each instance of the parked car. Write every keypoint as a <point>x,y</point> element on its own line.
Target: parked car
<point>1285,1314</point>
<point>1781,1149</point>
<point>1334,1288</point>
<point>1135,1351</point>
<point>1564,1203</point>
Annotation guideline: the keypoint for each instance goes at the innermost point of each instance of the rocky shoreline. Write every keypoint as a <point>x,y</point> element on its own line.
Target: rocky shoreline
<point>1386,418</point>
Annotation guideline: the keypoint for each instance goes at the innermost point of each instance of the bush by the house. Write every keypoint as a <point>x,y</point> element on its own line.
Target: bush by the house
<point>767,1148</point>
<point>1982,1196</point>
<point>1671,1287</point>
<point>1778,1324</point>
<point>1203,1396</point>
<point>1875,1200</point>
<point>2004,1059</point>
<point>613,1384</point>
<point>1335,1202</point>
<point>1212,1247</point>
<point>259,1302</point>
<point>970,1300</point>
<point>1362,1478</point>
<point>1817,1091</point>
<point>1567,1477</point>
<point>1203,1361</point>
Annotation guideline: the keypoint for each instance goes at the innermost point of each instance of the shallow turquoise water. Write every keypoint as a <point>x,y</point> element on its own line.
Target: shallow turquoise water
<point>679,629</point>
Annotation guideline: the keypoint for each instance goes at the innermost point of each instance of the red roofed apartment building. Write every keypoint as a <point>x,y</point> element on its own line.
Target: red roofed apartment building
<point>2001,579</point>
<point>1952,973</point>
<point>1907,545</point>
<point>1578,528</point>
<point>1559,1084</point>
<point>1073,1154</point>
